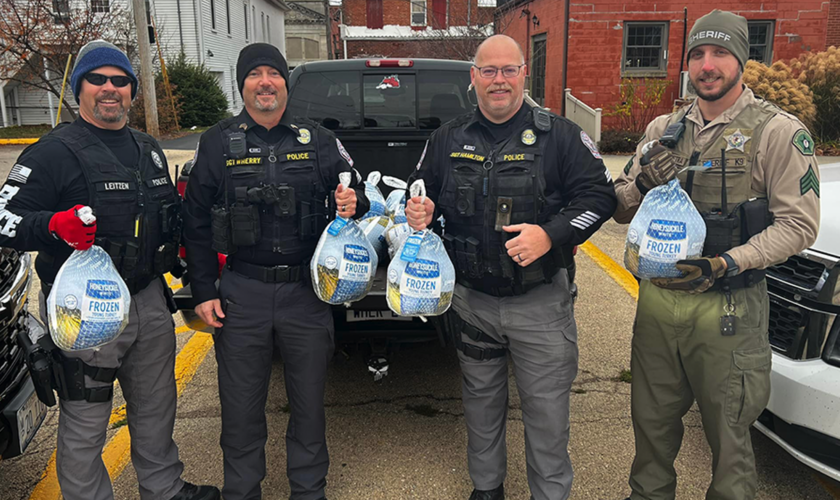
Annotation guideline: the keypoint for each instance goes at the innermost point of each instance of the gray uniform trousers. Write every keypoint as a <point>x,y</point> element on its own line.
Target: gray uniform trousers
<point>145,355</point>
<point>539,331</point>
<point>257,316</point>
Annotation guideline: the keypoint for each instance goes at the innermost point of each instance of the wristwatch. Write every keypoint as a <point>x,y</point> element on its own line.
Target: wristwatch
<point>732,268</point>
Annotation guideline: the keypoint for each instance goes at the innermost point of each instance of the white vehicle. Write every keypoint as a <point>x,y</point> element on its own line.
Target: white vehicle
<point>803,415</point>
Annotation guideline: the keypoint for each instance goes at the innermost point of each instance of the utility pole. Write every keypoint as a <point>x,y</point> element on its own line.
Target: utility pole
<point>328,22</point>
<point>147,77</point>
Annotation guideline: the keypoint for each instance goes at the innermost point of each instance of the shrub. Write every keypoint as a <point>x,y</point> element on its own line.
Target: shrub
<point>619,141</point>
<point>166,117</point>
<point>638,102</point>
<point>777,85</point>
<point>203,101</point>
<point>821,73</point>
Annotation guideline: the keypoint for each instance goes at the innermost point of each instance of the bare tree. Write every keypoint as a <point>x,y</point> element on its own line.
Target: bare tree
<point>36,36</point>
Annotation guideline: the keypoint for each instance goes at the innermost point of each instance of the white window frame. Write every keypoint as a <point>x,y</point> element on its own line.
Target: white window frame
<point>418,7</point>
<point>662,68</point>
<point>768,45</point>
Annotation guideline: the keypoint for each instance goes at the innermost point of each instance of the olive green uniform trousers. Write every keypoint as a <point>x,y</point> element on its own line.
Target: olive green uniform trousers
<point>679,355</point>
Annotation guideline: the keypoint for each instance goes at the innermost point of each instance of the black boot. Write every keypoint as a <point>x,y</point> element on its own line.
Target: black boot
<point>494,494</point>
<point>192,492</point>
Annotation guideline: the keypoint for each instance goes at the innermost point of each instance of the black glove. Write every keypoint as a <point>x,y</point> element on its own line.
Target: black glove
<point>658,165</point>
<point>700,275</point>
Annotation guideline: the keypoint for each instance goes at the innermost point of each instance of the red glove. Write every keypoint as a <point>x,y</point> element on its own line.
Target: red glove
<point>67,226</point>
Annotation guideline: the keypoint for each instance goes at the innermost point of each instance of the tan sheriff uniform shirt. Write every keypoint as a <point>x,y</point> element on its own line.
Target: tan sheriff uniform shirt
<point>781,172</point>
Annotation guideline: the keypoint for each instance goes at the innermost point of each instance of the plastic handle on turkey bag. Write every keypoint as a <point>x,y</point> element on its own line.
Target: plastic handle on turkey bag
<point>394,182</point>
<point>338,224</point>
<point>85,214</point>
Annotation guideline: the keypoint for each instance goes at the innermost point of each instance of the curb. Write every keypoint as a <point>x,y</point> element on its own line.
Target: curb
<point>20,142</point>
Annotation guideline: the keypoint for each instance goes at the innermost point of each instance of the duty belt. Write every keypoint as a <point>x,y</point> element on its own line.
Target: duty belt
<point>747,279</point>
<point>276,274</point>
<point>500,291</point>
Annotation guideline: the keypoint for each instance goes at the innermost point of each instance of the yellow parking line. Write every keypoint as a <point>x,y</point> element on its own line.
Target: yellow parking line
<point>830,486</point>
<point>117,452</point>
<point>613,269</point>
<point>182,329</point>
<point>15,142</point>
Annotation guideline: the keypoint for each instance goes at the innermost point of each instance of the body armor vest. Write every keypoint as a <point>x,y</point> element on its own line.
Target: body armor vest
<point>487,187</point>
<point>275,194</point>
<point>740,140</point>
<point>138,220</point>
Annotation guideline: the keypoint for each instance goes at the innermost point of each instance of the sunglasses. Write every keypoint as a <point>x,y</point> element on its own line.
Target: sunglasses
<point>99,80</point>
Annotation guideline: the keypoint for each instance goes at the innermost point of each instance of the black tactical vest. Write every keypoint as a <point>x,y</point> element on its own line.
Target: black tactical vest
<point>275,193</point>
<point>137,209</point>
<point>486,186</point>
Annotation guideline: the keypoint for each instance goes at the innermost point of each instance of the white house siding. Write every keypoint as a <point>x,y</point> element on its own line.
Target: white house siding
<point>174,36</point>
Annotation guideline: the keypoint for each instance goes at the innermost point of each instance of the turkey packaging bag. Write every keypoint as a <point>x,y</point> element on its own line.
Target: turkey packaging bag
<point>374,196</point>
<point>667,228</point>
<point>344,262</point>
<point>89,301</point>
<point>421,278</point>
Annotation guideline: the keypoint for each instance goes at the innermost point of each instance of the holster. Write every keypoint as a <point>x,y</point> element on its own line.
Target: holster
<point>38,360</point>
<point>720,233</point>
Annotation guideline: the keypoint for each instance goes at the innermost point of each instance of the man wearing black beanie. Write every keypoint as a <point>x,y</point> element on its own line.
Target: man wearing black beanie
<point>257,193</point>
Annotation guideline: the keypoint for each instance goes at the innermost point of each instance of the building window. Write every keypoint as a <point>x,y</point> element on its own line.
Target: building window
<point>227,14</point>
<point>262,22</point>
<point>645,51</point>
<point>303,48</point>
<point>418,12</point>
<point>538,69</point>
<point>247,26</point>
<point>761,41</point>
<point>100,6</point>
<point>61,11</point>
<point>374,18</point>
<point>212,14</point>
<point>486,3</point>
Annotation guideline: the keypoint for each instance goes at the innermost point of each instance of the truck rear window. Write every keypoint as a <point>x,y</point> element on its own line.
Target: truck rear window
<point>424,100</point>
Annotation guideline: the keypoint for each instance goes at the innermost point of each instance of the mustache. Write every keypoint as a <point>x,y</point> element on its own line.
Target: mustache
<point>498,87</point>
<point>109,95</point>
<point>267,88</point>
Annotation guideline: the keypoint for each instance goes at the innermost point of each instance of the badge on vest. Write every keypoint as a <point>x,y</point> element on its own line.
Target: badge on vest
<point>304,136</point>
<point>736,140</point>
<point>255,160</point>
<point>157,160</point>
<point>529,137</point>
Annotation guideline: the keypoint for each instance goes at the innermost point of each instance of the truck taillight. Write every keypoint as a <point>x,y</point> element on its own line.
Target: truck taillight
<point>389,63</point>
<point>182,187</point>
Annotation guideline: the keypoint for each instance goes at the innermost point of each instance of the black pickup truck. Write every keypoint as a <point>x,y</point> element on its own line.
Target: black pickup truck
<point>383,111</point>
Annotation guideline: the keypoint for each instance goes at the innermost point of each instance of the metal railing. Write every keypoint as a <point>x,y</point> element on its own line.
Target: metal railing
<point>585,117</point>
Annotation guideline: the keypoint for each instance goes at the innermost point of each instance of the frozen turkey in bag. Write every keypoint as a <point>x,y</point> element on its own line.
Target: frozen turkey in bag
<point>374,229</point>
<point>666,228</point>
<point>395,236</point>
<point>374,195</point>
<point>421,278</point>
<point>344,262</point>
<point>89,301</point>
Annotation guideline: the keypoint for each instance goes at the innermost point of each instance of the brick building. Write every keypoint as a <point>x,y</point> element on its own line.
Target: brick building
<point>449,29</point>
<point>614,39</point>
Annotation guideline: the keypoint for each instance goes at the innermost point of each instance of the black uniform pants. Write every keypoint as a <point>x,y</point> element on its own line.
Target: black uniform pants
<point>259,316</point>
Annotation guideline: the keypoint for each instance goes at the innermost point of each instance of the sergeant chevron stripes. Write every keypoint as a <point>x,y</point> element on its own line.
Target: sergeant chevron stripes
<point>20,173</point>
<point>584,220</point>
<point>809,182</point>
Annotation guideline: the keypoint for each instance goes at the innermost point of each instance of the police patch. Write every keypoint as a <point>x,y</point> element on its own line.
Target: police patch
<point>529,137</point>
<point>584,138</point>
<point>157,160</point>
<point>304,136</point>
<point>803,142</point>
<point>809,182</point>
<point>343,152</point>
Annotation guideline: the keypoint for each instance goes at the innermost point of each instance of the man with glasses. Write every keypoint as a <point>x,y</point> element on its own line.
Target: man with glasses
<point>518,187</point>
<point>121,173</point>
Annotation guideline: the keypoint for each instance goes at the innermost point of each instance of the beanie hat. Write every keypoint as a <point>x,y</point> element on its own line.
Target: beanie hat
<point>723,29</point>
<point>260,54</point>
<point>96,54</point>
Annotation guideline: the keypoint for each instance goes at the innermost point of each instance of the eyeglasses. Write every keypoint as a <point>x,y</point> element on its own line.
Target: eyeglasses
<point>99,80</point>
<point>491,71</point>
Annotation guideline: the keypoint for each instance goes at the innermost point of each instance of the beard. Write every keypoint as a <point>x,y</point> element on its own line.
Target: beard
<point>109,115</point>
<point>267,107</point>
<point>714,96</point>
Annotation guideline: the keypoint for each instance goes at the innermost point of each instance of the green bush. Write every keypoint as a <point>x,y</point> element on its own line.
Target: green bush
<point>619,141</point>
<point>203,102</point>
<point>166,113</point>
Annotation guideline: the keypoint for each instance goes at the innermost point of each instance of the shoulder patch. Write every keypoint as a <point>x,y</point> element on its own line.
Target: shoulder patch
<point>343,152</point>
<point>809,182</point>
<point>803,142</point>
<point>20,173</point>
<point>629,165</point>
<point>587,141</point>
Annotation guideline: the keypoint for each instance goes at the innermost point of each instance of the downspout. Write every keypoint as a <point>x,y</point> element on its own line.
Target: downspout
<point>565,55</point>
<point>685,33</point>
<point>180,24</point>
<point>199,30</point>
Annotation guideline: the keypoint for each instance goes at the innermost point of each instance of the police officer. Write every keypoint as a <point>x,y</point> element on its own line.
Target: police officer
<point>257,193</point>
<point>517,187</point>
<point>122,174</point>
<point>704,337</point>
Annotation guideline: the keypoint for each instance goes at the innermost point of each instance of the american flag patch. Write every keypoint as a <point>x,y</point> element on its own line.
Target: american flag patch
<point>20,173</point>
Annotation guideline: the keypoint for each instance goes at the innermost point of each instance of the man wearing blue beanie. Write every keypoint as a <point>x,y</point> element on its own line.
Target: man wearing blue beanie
<point>98,161</point>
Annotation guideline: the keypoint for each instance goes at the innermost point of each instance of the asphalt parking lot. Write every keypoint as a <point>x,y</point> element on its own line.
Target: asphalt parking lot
<point>404,437</point>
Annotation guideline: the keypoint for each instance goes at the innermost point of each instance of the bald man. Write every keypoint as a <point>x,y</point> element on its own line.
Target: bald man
<point>518,188</point>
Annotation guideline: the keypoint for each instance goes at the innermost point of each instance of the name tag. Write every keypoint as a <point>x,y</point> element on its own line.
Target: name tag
<point>160,181</point>
<point>298,156</point>
<point>466,156</point>
<point>256,160</point>
<point>114,186</point>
